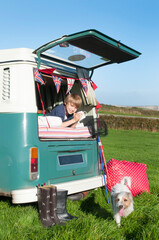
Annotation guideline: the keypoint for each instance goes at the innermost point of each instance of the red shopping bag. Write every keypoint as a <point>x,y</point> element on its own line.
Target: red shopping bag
<point>117,170</point>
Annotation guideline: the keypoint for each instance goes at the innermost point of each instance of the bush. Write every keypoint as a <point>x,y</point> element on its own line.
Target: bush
<point>131,123</point>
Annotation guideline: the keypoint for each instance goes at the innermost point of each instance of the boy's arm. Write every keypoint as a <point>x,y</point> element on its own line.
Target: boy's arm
<point>68,123</point>
<point>76,117</point>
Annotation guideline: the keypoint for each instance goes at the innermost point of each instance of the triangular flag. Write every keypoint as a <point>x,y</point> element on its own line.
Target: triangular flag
<point>38,77</point>
<point>94,86</point>
<point>57,82</point>
<point>47,70</point>
<point>98,106</point>
<point>84,84</point>
<point>70,82</point>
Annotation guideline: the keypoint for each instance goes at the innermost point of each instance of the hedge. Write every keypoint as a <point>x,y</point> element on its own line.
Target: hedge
<point>131,123</point>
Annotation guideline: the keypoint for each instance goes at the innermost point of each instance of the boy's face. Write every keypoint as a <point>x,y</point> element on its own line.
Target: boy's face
<point>70,108</point>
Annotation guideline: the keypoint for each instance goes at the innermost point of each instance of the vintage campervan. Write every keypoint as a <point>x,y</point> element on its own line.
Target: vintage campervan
<point>33,154</point>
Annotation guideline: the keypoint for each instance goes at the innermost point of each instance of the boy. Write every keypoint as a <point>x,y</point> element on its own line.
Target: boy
<point>67,111</point>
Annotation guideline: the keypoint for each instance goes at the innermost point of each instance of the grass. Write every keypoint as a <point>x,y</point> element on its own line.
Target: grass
<point>128,111</point>
<point>95,219</point>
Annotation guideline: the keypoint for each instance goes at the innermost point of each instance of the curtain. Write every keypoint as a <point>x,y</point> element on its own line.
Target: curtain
<point>90,96</point>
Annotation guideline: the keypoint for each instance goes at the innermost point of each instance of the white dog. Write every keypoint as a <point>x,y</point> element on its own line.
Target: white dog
<point>122,199</point>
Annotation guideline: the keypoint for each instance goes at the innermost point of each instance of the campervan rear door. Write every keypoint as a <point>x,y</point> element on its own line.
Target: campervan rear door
<point>71,160</point>
<point>89,49</point>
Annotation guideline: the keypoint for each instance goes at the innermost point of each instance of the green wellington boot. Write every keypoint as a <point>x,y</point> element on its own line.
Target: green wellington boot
<point>62,213</point>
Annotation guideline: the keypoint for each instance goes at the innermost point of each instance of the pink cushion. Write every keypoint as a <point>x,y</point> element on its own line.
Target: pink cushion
<point>117,170</point>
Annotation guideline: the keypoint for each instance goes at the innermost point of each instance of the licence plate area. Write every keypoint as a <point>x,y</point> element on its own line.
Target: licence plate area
<point>70,161</point>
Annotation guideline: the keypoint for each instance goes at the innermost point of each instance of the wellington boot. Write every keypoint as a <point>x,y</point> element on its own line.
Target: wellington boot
<point>62,213</point>
<point>44,206</point>
<point>53,206</point>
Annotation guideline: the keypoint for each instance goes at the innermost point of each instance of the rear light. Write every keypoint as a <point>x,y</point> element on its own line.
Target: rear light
<point>33,163</point>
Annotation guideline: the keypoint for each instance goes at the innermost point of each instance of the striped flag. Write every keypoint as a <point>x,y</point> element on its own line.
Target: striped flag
<point>70,82</point>
<point>38,77</point>
<point>57,82</point>
<point>84,84</point>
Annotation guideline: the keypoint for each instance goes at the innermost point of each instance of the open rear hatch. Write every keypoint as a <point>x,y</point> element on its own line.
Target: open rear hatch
<point>88,49</point>
<point>79,53</point>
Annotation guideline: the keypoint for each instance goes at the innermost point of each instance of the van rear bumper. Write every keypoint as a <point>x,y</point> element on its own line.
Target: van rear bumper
<point>30,194</point>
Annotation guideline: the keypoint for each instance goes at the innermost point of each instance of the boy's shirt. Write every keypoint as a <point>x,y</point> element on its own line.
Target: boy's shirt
<point>59,111</point>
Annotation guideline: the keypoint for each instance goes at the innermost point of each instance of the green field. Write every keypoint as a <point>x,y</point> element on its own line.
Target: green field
<point>128,111</point>
<point>95,219</point>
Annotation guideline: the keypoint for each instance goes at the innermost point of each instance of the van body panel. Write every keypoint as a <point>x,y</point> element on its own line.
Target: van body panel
<point>20,135</point>
<point>16,140</point>
<point>20,96</point>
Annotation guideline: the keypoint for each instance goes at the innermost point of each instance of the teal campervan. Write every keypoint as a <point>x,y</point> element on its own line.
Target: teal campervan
<point>32,154</point>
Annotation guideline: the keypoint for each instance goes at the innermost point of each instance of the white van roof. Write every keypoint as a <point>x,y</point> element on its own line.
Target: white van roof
<point>16,54</point>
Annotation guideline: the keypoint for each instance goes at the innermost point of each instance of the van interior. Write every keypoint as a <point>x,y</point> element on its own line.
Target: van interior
<point>48,98</point>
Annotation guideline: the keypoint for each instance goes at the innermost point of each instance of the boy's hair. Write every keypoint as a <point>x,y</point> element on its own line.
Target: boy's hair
<point>73,98</point>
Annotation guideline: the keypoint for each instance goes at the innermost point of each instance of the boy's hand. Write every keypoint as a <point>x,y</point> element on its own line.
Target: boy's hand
<point>77,116</point>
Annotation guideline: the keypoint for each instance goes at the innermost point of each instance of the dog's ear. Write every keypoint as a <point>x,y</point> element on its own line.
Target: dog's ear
<point>113,198</point>
<point>113,203</point>
<point>130,196</point>
<point>126,181</point>
<point>116,195</point>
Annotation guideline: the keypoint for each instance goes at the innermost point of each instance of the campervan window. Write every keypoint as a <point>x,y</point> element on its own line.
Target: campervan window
<point>47,95</point>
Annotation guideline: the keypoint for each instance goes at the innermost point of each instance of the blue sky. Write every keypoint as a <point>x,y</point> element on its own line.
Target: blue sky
<point>135,23</point>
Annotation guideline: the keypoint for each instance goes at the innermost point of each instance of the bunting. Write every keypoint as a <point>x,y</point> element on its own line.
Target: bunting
<point>38,77</point>
<point>48,71</point>
<point>98,106</point>
<point>94,86</point>
<point>57,82</point>
<point>84,84</point>
<point>70,82</point>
